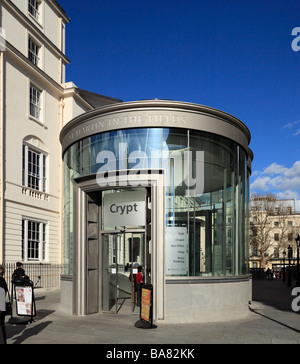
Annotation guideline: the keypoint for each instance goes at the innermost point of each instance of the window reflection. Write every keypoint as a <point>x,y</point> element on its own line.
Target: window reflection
<point>213,218</point>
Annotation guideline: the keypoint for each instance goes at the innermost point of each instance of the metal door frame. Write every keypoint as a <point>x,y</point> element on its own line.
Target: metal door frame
<point>153,179</point>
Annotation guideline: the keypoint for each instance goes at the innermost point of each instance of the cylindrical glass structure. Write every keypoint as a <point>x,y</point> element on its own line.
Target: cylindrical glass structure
<point>206,182</point>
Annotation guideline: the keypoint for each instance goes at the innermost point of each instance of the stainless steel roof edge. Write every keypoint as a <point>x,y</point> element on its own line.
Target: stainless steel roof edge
<point>156,104</point>
<point>122,106</point>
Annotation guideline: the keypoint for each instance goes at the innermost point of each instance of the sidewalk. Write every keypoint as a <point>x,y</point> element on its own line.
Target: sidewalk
<point>270,321</point>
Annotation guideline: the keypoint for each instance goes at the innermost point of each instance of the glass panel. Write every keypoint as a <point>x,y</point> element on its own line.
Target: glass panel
<point>135,246</point>
<point>109,272</point>
<point>125,149</point>
<point>68,217</point>
<point>207,189</point>
<point>177,203</point>
<point>121,254</point>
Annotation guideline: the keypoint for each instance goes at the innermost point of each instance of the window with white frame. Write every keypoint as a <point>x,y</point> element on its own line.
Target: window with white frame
<point>33,51</point>
<point>35,102</point>
<point>34,240</point>
<point>34,169</point>
<point>33,8</point>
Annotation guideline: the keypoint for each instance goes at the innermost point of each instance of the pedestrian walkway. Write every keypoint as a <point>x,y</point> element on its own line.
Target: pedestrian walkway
<point>271,320</point>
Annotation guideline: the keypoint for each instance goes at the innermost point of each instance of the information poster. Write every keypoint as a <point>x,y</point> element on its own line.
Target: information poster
<point>218,258</point>
<point>25,301</point>
<point>176,251</point>
<point>145,304</point>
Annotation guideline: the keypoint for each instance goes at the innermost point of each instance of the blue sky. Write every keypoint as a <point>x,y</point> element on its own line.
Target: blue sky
<point>233,55</point>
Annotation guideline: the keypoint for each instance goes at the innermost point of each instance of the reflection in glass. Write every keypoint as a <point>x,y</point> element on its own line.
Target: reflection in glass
<point>207,189</point>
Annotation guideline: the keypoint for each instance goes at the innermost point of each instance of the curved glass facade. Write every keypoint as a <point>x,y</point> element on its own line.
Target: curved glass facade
<point>207,192</point>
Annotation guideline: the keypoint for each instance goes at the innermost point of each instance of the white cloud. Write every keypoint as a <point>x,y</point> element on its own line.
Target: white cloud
<point>277,179</point>
<point>288,195</point>
<point>291,127</point>
<point>274,168</point>
<point>261,183</point>
<point>288,126</point>
<point>294,171</point>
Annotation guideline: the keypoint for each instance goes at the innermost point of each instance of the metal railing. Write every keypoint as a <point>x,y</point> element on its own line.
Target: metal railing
<point>42,275</point>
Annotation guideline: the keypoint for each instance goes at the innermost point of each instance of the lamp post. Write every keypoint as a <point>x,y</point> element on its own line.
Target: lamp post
<point>298,245</point>
<point>283,269</point>
<point>290,256</point>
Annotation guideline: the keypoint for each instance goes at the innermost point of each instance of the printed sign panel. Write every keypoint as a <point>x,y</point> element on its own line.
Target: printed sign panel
<point>145,304</point>
<point>176,251</point>
<point>124,209</point>
<point>25,301</point>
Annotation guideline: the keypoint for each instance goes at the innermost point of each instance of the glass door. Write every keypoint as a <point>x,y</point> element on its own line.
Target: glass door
<point>122,254</point>
<point>109,270</point>
<point>135,243</point>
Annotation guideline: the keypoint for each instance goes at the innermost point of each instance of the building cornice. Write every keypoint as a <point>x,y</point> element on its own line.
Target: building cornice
<point>59,10</point>
<point>72,92</point>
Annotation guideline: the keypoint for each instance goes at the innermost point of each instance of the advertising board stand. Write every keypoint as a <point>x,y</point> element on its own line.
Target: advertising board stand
<point>23,292</point>
<point>146,309</point>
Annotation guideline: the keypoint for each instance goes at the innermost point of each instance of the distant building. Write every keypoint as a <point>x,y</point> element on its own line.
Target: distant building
<point>274,225</point>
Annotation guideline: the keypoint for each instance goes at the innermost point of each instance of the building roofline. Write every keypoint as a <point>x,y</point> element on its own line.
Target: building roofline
<point>60,10</point>
<point>96,100</point>
<point>116,116</point>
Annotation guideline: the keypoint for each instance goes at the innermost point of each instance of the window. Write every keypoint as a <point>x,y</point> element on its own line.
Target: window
<point>276,237</point>
<point>33,8</point>
<point>255,250</point>
<point>33,240</point>
<point>276,223</point>
<point>33,52</point>
<point>35,102</point>
<point>34,169</point>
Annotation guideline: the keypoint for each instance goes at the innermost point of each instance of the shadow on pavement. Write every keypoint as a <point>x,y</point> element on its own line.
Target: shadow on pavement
<point>273,293</point>
<point>20,332</point>
<point>24,331</point>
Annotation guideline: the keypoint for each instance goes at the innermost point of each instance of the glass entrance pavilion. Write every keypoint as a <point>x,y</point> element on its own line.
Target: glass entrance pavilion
<point>169,180</point>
